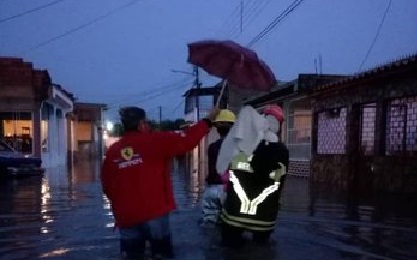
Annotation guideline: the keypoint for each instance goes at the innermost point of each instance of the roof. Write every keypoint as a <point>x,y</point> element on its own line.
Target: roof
<point>90,105</point>
<point>15,72</point>
<point>394,66</point>
<point>302,84</point>
<point>204,91</point>
<point>67,93</point>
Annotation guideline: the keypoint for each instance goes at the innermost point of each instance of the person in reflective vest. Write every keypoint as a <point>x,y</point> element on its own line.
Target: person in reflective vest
<point>253,195</point>
<point>252,198</point>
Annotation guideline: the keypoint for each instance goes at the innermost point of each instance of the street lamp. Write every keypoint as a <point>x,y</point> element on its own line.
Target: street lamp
<point>109,126</point>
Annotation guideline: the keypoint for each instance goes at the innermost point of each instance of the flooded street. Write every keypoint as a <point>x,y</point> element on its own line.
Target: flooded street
<point>65,216</point>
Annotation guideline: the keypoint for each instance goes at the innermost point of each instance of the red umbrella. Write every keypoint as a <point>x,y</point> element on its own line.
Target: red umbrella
<point>233,63</point>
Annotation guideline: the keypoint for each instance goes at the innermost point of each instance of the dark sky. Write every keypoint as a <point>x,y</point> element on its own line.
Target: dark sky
<point>126,57</point>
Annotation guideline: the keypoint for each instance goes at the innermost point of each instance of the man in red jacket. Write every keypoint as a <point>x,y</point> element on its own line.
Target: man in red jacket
<point>136,179</point>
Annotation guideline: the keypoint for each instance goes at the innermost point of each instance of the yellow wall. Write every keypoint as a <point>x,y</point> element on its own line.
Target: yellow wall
<point>83,131</point>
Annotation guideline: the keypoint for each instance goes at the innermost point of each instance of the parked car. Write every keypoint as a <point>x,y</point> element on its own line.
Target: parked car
<point>14,164</point>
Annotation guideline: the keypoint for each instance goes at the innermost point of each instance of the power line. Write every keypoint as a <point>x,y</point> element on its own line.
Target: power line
<point>368,52</point>
<point>30,11</point>
<point>178,106</point>
<point>152,97</point>
<point>80,27</point>
<point>276,21</point>
<point>249,9</point>
<point>257,12</point>
<point>229,19</point>
<point>151,91</point>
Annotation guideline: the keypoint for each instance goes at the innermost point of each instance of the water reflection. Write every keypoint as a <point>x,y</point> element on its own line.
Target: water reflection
<point>62,214</point>
<point>65,215</point>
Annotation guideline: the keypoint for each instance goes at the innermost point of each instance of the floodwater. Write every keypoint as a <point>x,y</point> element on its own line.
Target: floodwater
<point>65,216</point>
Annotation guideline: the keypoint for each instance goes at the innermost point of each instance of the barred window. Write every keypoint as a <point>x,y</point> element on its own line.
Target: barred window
<point>332,131</point>
<point>368,122</point>
<point>401,127</point>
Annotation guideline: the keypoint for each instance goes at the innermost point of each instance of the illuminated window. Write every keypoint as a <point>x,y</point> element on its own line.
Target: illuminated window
<point>17,131</point>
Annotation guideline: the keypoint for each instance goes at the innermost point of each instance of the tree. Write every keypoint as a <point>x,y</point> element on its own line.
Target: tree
<point>117,130</point>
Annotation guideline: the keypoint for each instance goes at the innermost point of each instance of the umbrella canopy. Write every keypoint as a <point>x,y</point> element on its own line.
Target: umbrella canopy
<point>232,62</point>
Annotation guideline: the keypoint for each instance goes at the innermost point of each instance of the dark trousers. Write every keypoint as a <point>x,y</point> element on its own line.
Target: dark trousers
<point>156,231</point>
<point>232,236</point>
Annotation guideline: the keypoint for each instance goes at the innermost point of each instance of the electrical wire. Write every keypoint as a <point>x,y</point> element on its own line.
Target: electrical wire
<point>257,13</point>
<point>147,98</point>
<point>33,10</point>
<point>229,20</point>
<point>82,26</point>
<point>151,91</point>
<point>252,6</point>
<point>378,31</point>
<point>178,106</point>
<point>275,22</point>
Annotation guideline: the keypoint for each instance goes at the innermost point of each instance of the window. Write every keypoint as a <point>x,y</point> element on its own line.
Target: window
<point>299,128</point>
<point>5,148</point>
<point>299,122</point>
<point>16,130</point>
<point>332,131</point>
<point>368,121</point>
<point>401,127</point>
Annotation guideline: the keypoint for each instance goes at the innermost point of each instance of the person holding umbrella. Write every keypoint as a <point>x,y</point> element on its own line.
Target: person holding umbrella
<point>213,194</point>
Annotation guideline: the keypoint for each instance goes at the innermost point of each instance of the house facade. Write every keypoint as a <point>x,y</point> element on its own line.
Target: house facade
<point>365,130</point>
<point>33,111</point>
<point>294,98</point>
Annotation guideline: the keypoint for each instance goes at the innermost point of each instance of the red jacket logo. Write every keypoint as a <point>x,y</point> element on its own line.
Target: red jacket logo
<point>127,153</point>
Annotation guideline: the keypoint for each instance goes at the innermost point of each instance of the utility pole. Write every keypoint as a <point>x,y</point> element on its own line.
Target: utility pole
<point>241,16</point>
<point>320,64</point>
<point>160,117</point>
<point>198,85</point>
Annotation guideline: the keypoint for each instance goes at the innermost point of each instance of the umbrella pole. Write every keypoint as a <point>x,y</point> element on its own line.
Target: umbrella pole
<point>221,93</point>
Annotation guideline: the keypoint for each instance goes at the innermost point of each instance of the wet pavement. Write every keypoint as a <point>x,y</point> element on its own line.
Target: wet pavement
<point>65,216</point>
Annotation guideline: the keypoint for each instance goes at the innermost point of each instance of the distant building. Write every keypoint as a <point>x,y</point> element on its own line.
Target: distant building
<point>33,111</point>
<point>88,128</point>
<point>40,118</point>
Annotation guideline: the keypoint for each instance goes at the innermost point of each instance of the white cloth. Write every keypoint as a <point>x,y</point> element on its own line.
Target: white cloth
<point>248,131</point>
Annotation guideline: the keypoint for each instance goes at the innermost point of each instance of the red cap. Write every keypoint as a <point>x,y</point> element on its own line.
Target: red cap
<point>275,111</point>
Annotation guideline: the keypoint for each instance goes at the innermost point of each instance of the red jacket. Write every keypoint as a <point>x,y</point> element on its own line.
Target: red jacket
<point>136,172</point>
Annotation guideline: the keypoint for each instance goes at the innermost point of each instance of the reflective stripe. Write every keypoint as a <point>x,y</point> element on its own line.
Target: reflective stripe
<point>261,197</point>
<point>247,206</point>
<point>244,201</point>
<point>246,220</point>
<point>247,223</point>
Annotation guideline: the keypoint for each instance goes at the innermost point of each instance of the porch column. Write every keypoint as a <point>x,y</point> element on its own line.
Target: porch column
<point>62,124</point>
<point>36,133</point>
<point>52,136</point>
<point>314,134</point>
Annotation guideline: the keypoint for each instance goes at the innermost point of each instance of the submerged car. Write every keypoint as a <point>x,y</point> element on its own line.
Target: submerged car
<point>14,164</point>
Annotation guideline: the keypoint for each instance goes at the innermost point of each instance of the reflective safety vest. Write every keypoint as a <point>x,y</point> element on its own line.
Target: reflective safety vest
<point>250,203</point>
